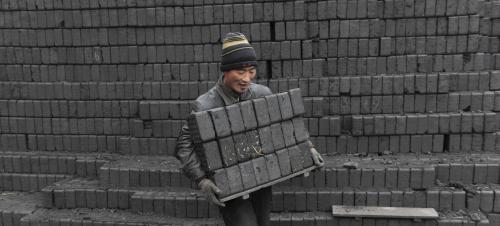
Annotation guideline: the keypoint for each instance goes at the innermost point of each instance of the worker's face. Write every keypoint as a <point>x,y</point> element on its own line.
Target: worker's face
<point>239,80</point>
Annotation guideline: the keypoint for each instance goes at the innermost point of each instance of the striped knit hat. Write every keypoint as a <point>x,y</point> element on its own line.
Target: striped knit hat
<point>237,52</point>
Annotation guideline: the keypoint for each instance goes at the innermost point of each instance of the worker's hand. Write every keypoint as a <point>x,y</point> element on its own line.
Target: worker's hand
<point>211,191</point>
<point>317,159</point>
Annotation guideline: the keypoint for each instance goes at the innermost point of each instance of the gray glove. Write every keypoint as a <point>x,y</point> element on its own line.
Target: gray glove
<point>317,159</point>
<point>211,191</point>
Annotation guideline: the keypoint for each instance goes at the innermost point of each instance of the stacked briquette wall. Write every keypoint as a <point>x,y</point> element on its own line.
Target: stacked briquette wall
<point>93,94</point>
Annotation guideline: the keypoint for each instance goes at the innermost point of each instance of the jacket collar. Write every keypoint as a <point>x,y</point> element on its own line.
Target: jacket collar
<point>228,95</point>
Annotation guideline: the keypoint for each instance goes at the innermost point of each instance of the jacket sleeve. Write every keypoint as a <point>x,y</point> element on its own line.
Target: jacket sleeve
<point>184,152</point>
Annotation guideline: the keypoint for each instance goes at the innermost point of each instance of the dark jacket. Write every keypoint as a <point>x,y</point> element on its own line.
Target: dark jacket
<point>218,96</point>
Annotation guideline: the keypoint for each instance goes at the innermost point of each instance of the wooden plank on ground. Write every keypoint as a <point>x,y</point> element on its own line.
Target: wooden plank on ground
<point>384,212</point>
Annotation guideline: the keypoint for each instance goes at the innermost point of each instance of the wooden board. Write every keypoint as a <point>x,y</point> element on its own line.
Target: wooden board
<point>384,212</point>
<point>244,193</point>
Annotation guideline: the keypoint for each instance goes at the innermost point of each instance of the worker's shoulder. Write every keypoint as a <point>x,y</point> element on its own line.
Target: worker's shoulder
<point>259,90</point>
<point>208,100</point>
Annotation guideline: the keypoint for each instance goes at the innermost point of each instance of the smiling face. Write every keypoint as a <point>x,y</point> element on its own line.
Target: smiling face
<point>239,80</point>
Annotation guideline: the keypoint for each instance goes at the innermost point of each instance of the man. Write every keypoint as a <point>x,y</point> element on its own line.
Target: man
<point>239,69</point>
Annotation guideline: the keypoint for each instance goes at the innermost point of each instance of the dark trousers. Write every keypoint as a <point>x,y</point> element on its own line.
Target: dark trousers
<point>253,211</point>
